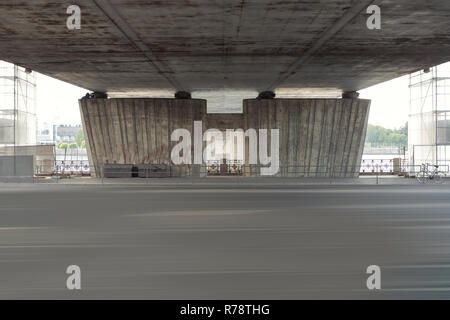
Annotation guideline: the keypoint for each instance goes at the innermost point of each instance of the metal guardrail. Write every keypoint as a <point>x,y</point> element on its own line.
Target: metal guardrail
<point>367,167</point>
<point>307,171</point>
<point>253,171</point>
<point>71,168</point>
<point>384,167</point>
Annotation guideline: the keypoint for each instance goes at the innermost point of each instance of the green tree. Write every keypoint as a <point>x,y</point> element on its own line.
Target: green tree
<point>63,145</point>
<point>73,146</point>
<point>79,139</point>
<point>378,136</point>
<point>403,130</point>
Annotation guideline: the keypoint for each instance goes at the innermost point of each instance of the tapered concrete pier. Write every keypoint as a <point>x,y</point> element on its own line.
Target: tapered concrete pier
<point>317,137</point>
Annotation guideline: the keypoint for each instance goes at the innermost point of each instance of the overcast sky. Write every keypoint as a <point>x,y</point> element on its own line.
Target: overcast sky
<point>57,102</point>
<point>390,103</point>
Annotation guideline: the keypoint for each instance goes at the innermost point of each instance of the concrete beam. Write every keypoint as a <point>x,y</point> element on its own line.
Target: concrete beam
<point>111,13</point>
<point>350,14</point>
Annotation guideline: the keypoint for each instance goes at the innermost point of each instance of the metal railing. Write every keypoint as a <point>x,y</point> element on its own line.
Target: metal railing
<point>72,168</point>
<point>215,168</point>
<point>250,171</point>
<point>307,171</point>
<point>383,166</point>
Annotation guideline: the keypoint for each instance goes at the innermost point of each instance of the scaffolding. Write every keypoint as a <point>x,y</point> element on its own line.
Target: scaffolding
<point>429,117</point>
<point>17,106</point>
<point>17,118</point>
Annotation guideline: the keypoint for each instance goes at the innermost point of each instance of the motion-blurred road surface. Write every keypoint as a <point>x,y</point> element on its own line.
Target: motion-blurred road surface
<point>216,240</point>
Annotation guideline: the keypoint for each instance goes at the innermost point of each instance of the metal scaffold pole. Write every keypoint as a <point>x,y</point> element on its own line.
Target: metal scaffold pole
<point>15,120</point>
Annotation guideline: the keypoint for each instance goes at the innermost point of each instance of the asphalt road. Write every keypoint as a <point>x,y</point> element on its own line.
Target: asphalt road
<point>224,241</point>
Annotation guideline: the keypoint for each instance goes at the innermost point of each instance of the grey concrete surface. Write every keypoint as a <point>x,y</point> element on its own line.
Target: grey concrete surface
<point>126,46</point>
<point>16,166</point>
<point>317,137</point>
<point>224,240</point>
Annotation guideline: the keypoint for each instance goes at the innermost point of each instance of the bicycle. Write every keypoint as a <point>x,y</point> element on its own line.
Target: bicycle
<point>426,175</point>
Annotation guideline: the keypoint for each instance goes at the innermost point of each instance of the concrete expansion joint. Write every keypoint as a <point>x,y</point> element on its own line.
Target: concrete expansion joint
<point>350,95</point>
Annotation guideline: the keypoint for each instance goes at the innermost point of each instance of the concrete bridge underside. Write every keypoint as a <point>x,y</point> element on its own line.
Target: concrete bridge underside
<point>127,46</point>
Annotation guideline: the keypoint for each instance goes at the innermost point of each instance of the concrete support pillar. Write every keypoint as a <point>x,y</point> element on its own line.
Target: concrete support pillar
<point>317,137</point>
<point>136,131</point>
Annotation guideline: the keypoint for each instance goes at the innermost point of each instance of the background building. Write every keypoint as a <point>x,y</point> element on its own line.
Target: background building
<point>67,133</point>
<point>17,106</point>
<point>429,120</point>
<point>46,134</point>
